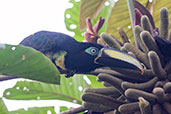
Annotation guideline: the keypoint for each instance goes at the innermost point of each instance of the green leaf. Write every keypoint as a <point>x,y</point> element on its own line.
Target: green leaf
<point>63,108</point>
<point>25,62</point>
<point>35,110</point>
<point>94,82</point>
<point>3,108</point>
<point>157,5</point>
<point>70,89</point>
<point>71,19</point>
<point>120,18</point>
<point>89,8</point>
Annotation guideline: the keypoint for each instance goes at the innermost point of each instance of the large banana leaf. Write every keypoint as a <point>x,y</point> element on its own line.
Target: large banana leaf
<point>25,62</point>
<point>35,110</point>
<point>69,90</point>
<point>120,18</point>
<point>3,108</point>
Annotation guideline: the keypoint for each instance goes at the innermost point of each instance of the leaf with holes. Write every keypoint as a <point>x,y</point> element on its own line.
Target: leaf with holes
<point>71,20</point>
<point>120,18</point>
<point>25,62</point>
<point>3,108</point>
<point>69,90</point>
<point>35,110</point>
<point>72,17</point>
<point>89,8</point>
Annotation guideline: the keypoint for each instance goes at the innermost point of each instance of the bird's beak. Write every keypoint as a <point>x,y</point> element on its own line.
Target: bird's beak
<point>118,59</point>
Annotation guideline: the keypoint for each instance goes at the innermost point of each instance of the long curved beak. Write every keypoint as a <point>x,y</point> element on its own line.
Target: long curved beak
<point>115,58</point>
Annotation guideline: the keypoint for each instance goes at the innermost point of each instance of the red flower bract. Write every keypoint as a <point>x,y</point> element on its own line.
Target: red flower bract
<point>92,34</point>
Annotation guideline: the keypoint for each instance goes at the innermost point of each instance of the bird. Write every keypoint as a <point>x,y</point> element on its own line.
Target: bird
<point>73,57</point>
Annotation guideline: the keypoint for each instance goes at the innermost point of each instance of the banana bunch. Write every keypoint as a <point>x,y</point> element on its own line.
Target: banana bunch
<point>129,91</point>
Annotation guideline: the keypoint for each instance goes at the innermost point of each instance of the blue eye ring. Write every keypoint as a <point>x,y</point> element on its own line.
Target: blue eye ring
<point>92,50</point>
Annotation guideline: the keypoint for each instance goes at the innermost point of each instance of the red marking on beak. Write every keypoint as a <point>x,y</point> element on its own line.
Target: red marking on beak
<point>142,71</point>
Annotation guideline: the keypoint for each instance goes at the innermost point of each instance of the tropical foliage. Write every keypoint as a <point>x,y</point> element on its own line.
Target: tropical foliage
<point>16,60</point>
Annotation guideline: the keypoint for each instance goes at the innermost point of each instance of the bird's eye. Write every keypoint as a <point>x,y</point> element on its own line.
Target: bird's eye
<point>92,50</point>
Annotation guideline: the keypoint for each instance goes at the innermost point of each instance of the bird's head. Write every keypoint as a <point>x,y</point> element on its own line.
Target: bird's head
<point>83,58</point>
